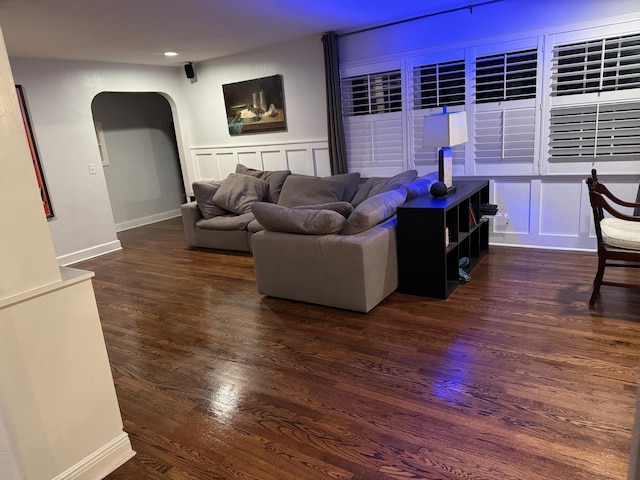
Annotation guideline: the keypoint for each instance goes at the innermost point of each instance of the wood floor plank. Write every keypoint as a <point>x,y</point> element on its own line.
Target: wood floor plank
<point>512,377</point>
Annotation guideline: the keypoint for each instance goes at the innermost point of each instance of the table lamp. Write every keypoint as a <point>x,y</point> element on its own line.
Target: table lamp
<point>444,130</point>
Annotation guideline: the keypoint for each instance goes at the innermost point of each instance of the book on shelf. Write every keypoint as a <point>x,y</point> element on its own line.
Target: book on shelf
<point>473,220</point>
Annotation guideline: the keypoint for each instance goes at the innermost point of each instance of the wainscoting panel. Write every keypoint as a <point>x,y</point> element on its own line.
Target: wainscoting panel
<point>299,161</point>
<point>272,160</point>
<point>216,163</point>
<point>563,198</point>
<point>512,197</point>
<point>226,164</point>
<point>551,212</point>
<point>205,165</point>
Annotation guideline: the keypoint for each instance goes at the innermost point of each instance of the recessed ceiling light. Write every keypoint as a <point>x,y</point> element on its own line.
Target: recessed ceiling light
<point>170,54</point>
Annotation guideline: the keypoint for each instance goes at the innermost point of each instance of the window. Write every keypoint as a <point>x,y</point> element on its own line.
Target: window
<point>506,76</point>
<point>602,131</point>
<point>595,112</point>
<point>596,66</point>
<point>505,113</point>
<point>439,84</point>
<point>371,93</point>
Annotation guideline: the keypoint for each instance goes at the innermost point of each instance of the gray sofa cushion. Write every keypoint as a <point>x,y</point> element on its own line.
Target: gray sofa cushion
<point>204,192</point>
<point>374,210</point>
<point>294,220</point>
<point>376,185</point>
<point>238,192</point>
<point>306,190</point>
<point>274,178</point>
<point>255,226</point>
<point>351,183</point>
<point>230,221</point>
<point>343,208</point>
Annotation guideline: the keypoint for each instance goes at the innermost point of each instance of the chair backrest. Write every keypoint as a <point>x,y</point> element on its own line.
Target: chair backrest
<point>597,204</point>
<point>598,194</point>
<point>602,189</point>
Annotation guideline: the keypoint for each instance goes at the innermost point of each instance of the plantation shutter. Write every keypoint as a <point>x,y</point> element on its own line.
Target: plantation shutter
<point>505,136</point>
<point>436,85</point>
<point>595,111</point>
<point>505,112</point>
<point>373,122</point>
<point>596,66</point>
<point>371,94</point>
<point>595,131</point>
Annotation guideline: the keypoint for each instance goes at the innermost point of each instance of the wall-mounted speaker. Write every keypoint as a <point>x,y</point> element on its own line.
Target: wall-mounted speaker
<point>190,70</point>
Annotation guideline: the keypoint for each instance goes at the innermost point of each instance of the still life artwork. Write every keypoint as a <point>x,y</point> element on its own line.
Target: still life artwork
<point>255,106</point>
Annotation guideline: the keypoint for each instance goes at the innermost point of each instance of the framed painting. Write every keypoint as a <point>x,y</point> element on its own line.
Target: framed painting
<point>44,193</point>
<point>255,106</point>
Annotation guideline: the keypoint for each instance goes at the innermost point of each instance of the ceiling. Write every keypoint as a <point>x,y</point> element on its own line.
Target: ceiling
<point>139,31</point>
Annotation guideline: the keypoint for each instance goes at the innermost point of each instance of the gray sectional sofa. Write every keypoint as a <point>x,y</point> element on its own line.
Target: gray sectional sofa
<point>329,241</point>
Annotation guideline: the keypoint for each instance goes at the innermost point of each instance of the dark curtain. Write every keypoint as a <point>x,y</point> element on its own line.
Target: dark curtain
<point>337,144</point>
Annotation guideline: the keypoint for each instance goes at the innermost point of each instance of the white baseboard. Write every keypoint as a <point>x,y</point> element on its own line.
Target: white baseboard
<point>101,462</point>
<point>88,253</point>
<point>139,222</point>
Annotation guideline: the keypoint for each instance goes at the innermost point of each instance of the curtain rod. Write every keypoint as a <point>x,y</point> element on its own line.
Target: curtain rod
<point>469,7</point>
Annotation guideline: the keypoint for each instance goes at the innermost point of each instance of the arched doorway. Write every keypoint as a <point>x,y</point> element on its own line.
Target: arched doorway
<point>136,135</point>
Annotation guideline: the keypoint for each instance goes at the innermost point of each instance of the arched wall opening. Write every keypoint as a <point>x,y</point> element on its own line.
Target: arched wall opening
<point>140,157</point>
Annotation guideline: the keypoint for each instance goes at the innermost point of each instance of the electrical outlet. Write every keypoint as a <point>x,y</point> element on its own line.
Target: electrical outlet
<point>92,169</point>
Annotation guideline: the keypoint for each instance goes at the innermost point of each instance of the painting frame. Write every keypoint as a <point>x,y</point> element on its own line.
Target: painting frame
<point>255,106</point>
<point>35,157</point>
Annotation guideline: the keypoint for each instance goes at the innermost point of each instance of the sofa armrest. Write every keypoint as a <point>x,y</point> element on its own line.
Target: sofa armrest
<point>190,215</point>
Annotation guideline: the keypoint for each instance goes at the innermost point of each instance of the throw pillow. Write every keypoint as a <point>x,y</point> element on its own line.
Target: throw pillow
<point>292,220</point>
<point>375,185</point>
<point>204,192</point>
<point>351,181</point>
<point>374,210</point>
<point>274,178</point>
<point>343,208</point>
<point>420,186</point>
<point>306,190</point>
<point>238,192</point>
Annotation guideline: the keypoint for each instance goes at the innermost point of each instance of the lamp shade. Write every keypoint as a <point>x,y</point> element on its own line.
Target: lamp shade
<point>444,129</point>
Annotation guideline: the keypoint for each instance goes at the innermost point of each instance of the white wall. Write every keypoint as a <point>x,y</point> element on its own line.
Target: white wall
<point>59,96</point>
<point>301,65</point>
<point>143,171</point>
<point>501,18</point>
<point>8,468</point>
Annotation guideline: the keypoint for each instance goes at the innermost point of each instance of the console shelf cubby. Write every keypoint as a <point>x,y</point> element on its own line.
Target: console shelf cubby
<point>435,233</point>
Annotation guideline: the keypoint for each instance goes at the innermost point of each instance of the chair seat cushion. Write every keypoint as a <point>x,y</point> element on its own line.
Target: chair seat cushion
<point>621,233</point>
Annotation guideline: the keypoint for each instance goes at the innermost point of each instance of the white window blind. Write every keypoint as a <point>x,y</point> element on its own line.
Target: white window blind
<point>599,65</point>
<point>439,84</point>
<point>506,76</point>
<point>606,131</point>
<point>505,118</point>
<point>504,135</point>
<point>375,142</point>
<point>371,94</point>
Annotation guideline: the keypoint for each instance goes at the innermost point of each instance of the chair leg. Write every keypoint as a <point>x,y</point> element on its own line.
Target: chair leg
<point>597,281</point>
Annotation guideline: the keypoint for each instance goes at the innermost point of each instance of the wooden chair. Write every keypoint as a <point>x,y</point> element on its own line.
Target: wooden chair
<point>618,236</point>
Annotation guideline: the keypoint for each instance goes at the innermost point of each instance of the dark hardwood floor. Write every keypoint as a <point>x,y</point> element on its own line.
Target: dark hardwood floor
<point>512,377</point>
